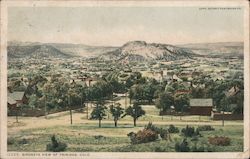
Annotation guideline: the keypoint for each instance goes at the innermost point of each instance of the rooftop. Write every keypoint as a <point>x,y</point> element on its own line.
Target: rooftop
<point>201,102</point>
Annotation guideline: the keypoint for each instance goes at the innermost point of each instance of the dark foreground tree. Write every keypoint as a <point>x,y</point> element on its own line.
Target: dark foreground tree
<point>135,112</point>
<point>116,111</point>
<point>99,112</point>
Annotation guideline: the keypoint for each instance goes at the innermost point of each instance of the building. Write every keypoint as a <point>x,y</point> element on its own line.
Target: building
<point>201,106</point>
<point>16,99</point>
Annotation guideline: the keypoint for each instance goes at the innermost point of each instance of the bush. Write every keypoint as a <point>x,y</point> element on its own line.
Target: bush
<point>202,148</point>
<point>219,141</point>
<point>190,131</point>
<point>173,129</point>
<point>159,149</point>
<point>98,137</point>
<point>182,147</point>
<point>10,141</point>
<point>196,148</point>
<point>162,132</point>
<point>205,128</point>
<point>56,146</point>
<point>23,141</point>
<point>143,136</point>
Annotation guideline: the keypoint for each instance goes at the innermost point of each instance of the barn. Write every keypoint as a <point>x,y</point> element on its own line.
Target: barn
<point>201,106</point>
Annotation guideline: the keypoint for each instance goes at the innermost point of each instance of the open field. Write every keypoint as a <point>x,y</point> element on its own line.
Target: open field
<point>83,135</point>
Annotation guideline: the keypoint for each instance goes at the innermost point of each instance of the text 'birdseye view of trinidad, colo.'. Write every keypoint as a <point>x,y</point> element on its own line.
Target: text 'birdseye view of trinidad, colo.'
<point>125,79</point>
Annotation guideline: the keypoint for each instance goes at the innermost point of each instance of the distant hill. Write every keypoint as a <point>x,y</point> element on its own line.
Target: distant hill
<point>221,49</point>
<point>140,50</point>
<point>83,50</point>
<point>34,51</point>
<point>132,51</point>
<point>38,50</point>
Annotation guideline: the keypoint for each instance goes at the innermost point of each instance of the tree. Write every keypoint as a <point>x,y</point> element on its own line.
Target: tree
<point>198,93</point>
<point>239,103</point>
<point>223,107</point>
<point>116,111</point>
<point>135,112</point>
<point>181,103</point>
<point>99,112</point>
<point>165,101</point>
<point>33,101</point>
<point>100,90</point>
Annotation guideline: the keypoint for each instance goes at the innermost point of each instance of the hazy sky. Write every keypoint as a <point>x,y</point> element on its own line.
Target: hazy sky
<point>117,25</point>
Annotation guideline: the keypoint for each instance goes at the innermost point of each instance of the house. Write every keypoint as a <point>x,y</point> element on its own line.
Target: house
<point>16,99</point>
<point>201,106</point>
<point>232,91</point>
<point>11,102</point>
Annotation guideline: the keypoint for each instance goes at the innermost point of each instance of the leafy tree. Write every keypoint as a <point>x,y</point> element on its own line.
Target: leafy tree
<point>33,101</point>
<point>99,112</point>
<point>116,111</point>
<point>135,112</point>
<point>240,103</point>
<point>169,89</point>
<point>117,87</point>
<point>149,90</point>
<point>100,90</point>
<point>135,78</point>
<point>224,102</point>
<point>136,92</point>
<point>198,93</point>
<point>165,101</point>
<point>181,103</point>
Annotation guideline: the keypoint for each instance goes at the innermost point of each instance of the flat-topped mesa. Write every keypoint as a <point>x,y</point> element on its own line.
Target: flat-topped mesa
<point>140,50</point>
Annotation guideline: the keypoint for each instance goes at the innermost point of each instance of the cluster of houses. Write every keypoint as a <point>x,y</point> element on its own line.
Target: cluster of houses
<point>88,74</point>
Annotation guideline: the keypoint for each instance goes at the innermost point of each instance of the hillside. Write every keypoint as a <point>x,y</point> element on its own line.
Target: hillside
<point>140,50</point>
<point>132,51</point>
<point>34,51</point>
<point>62,50</point>
<point>222,49</point>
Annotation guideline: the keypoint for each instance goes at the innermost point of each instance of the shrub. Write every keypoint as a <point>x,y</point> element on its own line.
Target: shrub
<point>190,131</point>
<point>159,149</point>
<point>182,147</point>
<point>195,148</point>
<point>219,141</point>
<point>205,128</point>
<point>97,137</point>
<point>173,129</point>
<point>10,141</point>
<point>143,136</point>
<point>202,148</point>
<point>162,132</point>
<point>23,141</point>
<point>56,146</point>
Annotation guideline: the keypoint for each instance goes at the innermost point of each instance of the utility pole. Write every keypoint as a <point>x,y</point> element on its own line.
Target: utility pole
<point>87,102</point>
<point>70,111</point>
<point>45,107</point>
<point>125,100</point>
<point>223,118</point>
<point>87,111</point>
<point>16,114</point>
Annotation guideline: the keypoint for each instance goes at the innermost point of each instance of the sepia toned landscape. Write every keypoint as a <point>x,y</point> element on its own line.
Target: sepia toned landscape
<point>136,96</point>
<point>56,91</point>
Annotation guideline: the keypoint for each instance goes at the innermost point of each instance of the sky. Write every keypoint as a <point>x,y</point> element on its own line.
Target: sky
<point>114,26</point>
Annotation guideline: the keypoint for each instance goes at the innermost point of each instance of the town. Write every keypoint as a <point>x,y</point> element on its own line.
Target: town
<point>164,96</point>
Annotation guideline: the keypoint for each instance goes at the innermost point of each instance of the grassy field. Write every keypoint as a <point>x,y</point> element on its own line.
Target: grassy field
<point>34,133</point>
<point>84,138</point>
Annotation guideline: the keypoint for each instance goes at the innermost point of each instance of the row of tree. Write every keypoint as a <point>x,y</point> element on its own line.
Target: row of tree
<point>100,112</point>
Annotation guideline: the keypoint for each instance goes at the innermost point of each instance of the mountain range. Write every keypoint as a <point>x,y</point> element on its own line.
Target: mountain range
<point>133,50</point>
